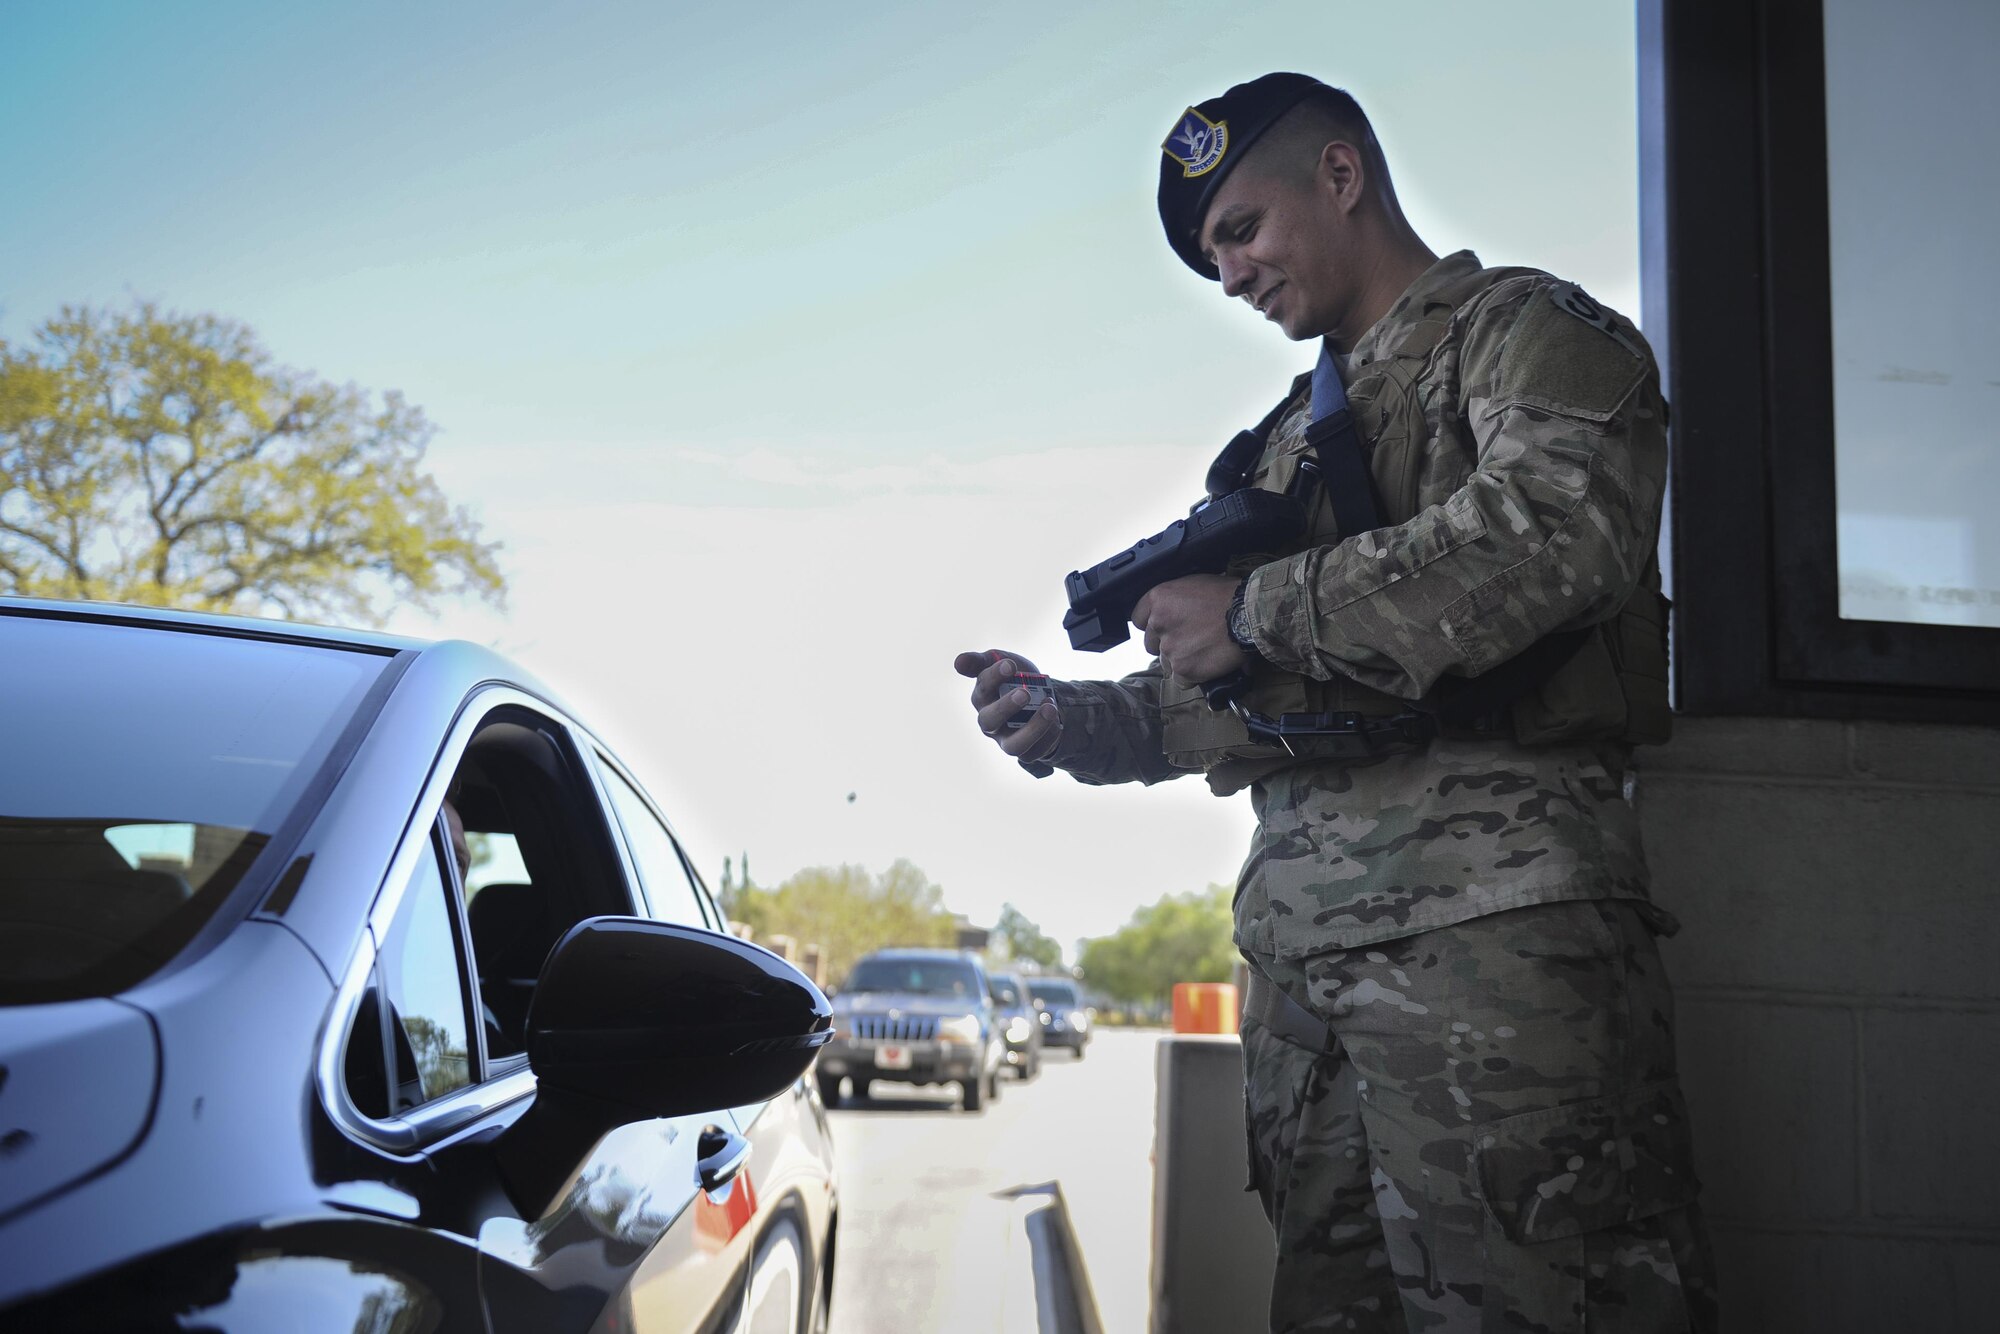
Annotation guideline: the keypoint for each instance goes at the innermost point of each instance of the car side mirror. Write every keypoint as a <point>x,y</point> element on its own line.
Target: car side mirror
<point>634,1019</point>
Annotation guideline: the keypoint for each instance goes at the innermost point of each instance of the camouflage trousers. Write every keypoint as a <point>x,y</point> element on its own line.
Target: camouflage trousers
<point>1500,1143</point>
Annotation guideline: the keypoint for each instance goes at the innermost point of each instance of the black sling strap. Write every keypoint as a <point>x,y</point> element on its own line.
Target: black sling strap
<point>1350,487</point>
<point>1232,467</point>
<point>1273,1007</point>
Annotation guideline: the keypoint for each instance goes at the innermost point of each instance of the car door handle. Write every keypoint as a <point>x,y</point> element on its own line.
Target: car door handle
<point>723,1154</point>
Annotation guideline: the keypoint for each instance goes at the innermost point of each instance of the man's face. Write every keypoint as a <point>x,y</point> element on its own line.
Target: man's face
<point>1282,244</point>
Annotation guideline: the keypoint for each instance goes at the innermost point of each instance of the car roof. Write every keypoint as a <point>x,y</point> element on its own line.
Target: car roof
<point>919,952</point>
<point>457,662</point>
<point>247,627</point>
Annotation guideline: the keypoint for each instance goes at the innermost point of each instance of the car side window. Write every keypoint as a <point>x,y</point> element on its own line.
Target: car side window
<point>519,852</point>
<point>539,859</point>
<point>668,886</point>
<point>417,1046</point>
<point>426,981</point>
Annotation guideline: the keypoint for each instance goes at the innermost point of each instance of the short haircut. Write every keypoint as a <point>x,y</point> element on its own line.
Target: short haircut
<point>1291,147</point>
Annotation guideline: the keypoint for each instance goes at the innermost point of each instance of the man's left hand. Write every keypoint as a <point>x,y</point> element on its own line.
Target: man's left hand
<point>1187,624</point>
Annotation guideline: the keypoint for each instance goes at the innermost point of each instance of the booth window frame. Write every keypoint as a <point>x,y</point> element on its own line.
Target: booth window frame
<point>1737,297</point>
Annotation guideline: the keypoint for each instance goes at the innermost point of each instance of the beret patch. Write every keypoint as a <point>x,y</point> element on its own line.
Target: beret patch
<point>1197,143</point>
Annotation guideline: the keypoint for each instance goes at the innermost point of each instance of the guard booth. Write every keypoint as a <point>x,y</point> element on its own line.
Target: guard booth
<point>1818,195</point>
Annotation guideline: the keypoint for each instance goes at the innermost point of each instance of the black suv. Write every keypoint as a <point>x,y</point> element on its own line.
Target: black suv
<point>915,1016</point>
<point>1065,1021</point>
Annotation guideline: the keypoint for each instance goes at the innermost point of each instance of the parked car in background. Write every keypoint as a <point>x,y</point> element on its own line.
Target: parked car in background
<point>915,1016</point>
<point>353,981</point>
<point>1064,1020</point>
<point>1020,1025</point>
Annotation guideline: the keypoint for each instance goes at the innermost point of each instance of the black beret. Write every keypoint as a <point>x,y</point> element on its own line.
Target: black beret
<point>1206,144</point>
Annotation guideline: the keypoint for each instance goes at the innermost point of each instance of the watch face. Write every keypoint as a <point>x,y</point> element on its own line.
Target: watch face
<point>1239,619</point>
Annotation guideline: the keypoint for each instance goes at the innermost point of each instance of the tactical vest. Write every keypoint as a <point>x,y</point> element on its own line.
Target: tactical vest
<point>1613,688</point>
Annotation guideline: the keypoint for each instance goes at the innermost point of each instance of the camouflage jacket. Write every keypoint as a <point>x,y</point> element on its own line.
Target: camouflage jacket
<point>1536,507</point>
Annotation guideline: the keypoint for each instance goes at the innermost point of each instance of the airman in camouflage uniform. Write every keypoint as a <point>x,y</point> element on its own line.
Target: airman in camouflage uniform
<point>1498,1140</point>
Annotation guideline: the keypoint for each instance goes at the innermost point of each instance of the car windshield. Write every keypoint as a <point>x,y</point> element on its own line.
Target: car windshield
<point>923,977</point>
<point>1006,991</point>
<point>144,771</point>
<point>1055,995</point>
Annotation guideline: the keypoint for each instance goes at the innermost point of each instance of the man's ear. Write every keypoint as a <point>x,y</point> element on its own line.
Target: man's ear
<point>1343,172</point>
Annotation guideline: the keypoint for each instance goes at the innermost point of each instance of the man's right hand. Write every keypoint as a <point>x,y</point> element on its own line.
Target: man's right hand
<point>995,699</point>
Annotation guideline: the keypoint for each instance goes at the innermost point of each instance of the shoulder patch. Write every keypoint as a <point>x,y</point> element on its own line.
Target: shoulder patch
<point>1565,355</point>
<point>1573,300</point>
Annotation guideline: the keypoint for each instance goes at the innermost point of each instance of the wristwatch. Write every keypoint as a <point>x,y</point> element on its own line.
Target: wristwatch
<point>1239,621</point>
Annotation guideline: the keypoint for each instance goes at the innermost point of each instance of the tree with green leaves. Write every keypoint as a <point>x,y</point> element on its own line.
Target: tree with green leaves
<point>1022,941</point>
<point>733,887</point>
<point>167,459</point>
<point>847,912</point>
<point>1181,938</point>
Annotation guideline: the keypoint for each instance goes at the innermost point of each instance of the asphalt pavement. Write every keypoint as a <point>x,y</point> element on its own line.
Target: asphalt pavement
<point>936,1229</point>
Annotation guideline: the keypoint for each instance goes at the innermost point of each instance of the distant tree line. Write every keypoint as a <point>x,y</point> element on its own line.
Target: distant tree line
<point>846,911</point>
<point>1017,940</point>
<point>1181,938</point>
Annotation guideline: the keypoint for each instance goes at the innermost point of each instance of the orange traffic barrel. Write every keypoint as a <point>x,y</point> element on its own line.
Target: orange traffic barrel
<point>1204,1007</point>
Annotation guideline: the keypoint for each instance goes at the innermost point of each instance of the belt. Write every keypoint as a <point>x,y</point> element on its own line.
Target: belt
<point>1339,736</point>
<point>1273,1007</point>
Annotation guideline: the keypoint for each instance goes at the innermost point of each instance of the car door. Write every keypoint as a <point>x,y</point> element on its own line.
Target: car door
<point>780,1169</point>
<point>459,938</point>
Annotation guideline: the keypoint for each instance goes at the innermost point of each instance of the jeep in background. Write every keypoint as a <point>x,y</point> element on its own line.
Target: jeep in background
<point>1064,1021</point>
<point>914,1016</point>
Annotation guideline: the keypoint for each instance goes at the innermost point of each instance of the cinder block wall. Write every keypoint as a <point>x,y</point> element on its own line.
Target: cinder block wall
<point>1838,982</point>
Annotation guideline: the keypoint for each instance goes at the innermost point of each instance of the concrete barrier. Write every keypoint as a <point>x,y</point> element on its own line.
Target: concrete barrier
<point>1212,1249</point>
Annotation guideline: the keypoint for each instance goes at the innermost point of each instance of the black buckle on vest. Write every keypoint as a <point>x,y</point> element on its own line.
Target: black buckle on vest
<point>1362,734</point>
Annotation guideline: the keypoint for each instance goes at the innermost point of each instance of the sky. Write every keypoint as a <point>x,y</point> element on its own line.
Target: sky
<point>787,349</point>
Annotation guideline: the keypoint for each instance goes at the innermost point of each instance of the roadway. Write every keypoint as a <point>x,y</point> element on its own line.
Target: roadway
<point>931,1197</point>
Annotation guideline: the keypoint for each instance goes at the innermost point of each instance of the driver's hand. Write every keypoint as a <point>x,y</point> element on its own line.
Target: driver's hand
<point>994,700</point>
